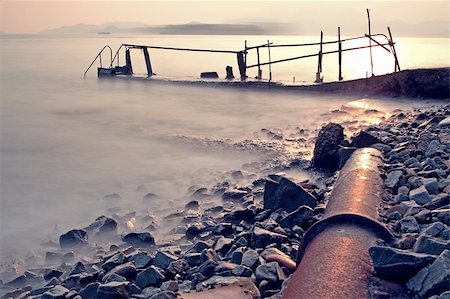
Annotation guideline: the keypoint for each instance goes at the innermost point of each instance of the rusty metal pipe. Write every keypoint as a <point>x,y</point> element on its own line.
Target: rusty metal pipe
<point>333,260</point>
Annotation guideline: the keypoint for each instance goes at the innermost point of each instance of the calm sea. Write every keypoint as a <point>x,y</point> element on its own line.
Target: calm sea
<point>66,142</point>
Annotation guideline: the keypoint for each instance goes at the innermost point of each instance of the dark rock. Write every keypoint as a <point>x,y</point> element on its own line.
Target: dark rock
<point>394,179</point>
<point>430,245</point>
<point>177,267</point>
<point>102,226</point>
<point>408,225</point>
<point>250,258</point>
<point>163,259</point>
<point>237,216</point>
<point>434,229</point>
<point>57,292</point>
<point>223,245</point>
<point>407,241</point>
<point>434,279</point>
<point>150,291</point>
<point>113,290</point>
<point>303,216</point>
<point>149,277</point>
<point>223,229</point>
<point>193,259</point>
<point>194,229</point>
<point>431,184</point>
<point>262,237</point>
<point>398,264</point>
<point>236,256</point>
<point>423,216</point>
<point>241,271</point>
<point>327,145</point>
<point>364,139</point>
<point>343,154</point>
<point>424,140</point>
<point>207,269</point>
<point>420,195</point>
<point>73,239</point>
<point>140,260</point>
<point>52,274</point>
<point>113,277</point>
<point>272,273</point>
<point>113,261</point>
<point>192,205</point>
<point>282,193</point>
<point>90,291</point>
<point>143,240</point>
<point>76,269</point>
<point>169,286</point>
<point>127,270</point>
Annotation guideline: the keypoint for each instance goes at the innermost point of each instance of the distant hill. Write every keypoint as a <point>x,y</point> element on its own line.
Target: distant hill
<point>90,28</point>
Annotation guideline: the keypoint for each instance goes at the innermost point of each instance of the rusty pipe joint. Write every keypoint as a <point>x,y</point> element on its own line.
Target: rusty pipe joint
<point>333,260</point>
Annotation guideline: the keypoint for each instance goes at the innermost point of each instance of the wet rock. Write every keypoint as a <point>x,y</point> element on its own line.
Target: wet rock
<point>250,259</point>
<point>90,291</point>
<point>434,229</point>
<point>420,195</point>
<point>430,245</point>
<point>445,122</point>
<point>303,216</point>
<point>398,264</point>
<point>261,237</point>
<point>281,193</point>
<point>223,245</point>
<point>171,286</point>
<point>113,277</point>
<point>143,240</point>
<point>234,195</point>
<point>193,259</point>
<point>73,239</point>
<point>343,154</point>
<point>140,260</point>
<point>163,259</point>
<point>57,292</point>
<point>364,139</point>
<point>149,277</point>
<point>113,290</point>
<point>408,225</point>
<point>438,202</point>
<point>327,145</point>
<point>207,269</point>
<point>223,229</point>
<point>434,279</point>
<point>394,179</point>
<point>127,270</point>
<point>177,267</point>
<point>407,241</point>
<point>384,148</point>
<point>423,216</point>
<point>270,272</point>
<point>113,261</point>
<point>102,226</point>
<point>150,291</point>
<point>192,205</point>
<point>52,274</point>
<point>431,184</point>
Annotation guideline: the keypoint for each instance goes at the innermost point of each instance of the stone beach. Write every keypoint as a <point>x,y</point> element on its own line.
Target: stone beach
<point>253,235</point>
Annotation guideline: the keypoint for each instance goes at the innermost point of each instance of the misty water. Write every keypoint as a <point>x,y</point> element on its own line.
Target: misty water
<point>67,142</point>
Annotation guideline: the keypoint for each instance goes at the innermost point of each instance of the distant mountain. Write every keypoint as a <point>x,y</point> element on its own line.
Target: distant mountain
<point>89,28</point>
<point>213,29</point>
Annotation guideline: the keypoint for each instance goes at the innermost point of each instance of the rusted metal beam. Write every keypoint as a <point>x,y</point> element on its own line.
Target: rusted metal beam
<point>333,260</point>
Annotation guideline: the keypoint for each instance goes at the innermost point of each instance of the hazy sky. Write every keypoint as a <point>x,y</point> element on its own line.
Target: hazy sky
<point>34,16</point>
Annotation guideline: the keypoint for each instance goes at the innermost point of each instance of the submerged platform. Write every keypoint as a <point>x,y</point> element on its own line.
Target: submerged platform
<point>417,83</point>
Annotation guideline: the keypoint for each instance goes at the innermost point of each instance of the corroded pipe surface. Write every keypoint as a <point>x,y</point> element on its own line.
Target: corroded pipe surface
<point>333,259</point>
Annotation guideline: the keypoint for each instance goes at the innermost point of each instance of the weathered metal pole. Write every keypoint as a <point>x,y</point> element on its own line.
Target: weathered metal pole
<point>333,260</point>
<point>241,65</point>
<point>259,66</point>
<point>128,62</point>
<point>147,62</point>
<point>340,54</point>
<point>370,42</point>
<point>319,62</point>
<point>394,52</point>
<point>270,61</point>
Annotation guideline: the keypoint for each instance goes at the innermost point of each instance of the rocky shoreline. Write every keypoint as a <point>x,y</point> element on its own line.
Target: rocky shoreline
<point>253,236</point>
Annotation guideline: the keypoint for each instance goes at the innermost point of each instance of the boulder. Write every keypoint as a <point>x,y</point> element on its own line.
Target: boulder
<point>113,261</point>
<point>398,264</point>
<point>141,260</point>
<point>272,273</point>
<point>57,292</point>
<point>394,179</point>
<point>209,75</point>
<point>143,240</point>
<point>432,280</point>
<point>223,245</point>
<point>364,139</point>
<point>250,258</point>
<point>408,225</point>
<point>102,226</point>
<point>431,184</point>
<point>281,193</point>
<point>420,195</point>
<point>327,145</point>
<point>303,217</point>
<point>262,237</point>
<point>163,259</point>
<point>431,245</point>
<point>73,239</point>
<point>127,270</point>
<point>113,290</point>
<point>149,277</point>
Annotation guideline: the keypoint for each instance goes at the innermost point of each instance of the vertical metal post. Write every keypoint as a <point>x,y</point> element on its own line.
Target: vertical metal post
<point>370,42</point>
<point>319,62</point>
<point>270,61</point>
<point>128,62</point>
<point>147,62</point>
<point>241,65</point>
<point>259,66</point>
<point>394,52</point>
<point>340,54</point>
